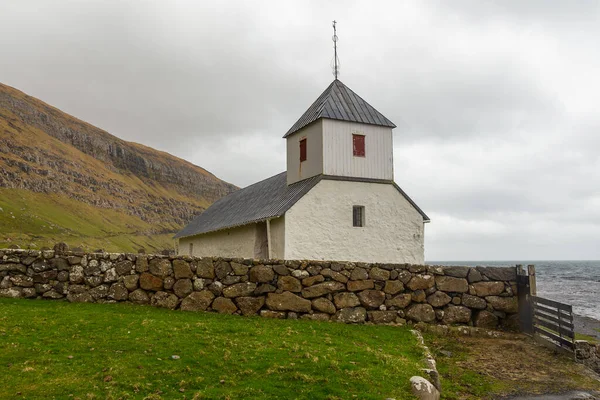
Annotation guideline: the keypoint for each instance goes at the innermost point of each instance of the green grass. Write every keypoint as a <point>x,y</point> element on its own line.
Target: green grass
<point>591,339</point>
<point>118,351</point>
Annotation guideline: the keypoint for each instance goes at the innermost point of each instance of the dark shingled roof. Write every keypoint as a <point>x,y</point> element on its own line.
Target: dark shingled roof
<point>341,103</point>
<point>263,200</point>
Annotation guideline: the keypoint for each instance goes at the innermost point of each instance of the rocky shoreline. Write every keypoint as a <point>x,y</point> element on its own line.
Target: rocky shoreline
<point>587,326</point>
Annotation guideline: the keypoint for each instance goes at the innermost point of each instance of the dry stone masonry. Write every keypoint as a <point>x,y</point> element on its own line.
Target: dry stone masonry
<point>318,290</point>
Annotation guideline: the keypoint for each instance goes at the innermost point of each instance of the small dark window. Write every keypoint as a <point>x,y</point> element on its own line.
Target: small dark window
<point>191,249</point>
<point>303,150</point>
<point>358,145</point>
<point>358,216</point>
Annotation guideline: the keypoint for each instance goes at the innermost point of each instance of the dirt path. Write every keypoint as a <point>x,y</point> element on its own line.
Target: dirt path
<point>483,368</point>
<point>564,396</point>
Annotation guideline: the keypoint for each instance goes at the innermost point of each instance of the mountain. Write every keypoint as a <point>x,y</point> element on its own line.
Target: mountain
<point>62,179</point>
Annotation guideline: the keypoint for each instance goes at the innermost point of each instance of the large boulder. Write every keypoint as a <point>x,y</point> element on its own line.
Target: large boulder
<point>473,302</point>
<point>452,284</point>
<point>356,286</point>
<point>456,314</point>
<point>139,296</point>
<point>150,282</point>
<point>379,274</point>
<point>400,301</point>
<point>250,305</point>
<point>485,319</point>
<point>289,283</point>
<point>321,289</point>
<point>323,305</point>
<point>504,304</point>
<point>421,282</point>
<point>350,315</point>
<point>182,269</point>
<point>183,287</point>
<point>346,300</point>
<point>165,300</point>
<point>439,299</point>
<point>287,301</point>
<point>205,268</point>
<point>223,305</point>
<point>261,273</point>
<point>499,273</point>
<point>161,267</point>
<point>371,298</point>
<point>239,289</point>
<point>382,317</point>
<point>457,272</point>
<point>222,269</point>
<point>197,301</point>
<point>421,313</point>
<point>393,287</point>
<point>484,289</point>
<point>359,274</point>
<point>118,292</point>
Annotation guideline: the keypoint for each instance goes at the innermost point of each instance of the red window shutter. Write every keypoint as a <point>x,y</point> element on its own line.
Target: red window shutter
<point>358,145</point>
<point>303,150</point>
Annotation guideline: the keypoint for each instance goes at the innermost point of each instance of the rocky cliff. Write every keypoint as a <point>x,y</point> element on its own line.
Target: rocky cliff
<point>46,151</point>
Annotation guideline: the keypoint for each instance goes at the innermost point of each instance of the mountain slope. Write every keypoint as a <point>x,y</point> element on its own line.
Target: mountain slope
<point>64,179</point>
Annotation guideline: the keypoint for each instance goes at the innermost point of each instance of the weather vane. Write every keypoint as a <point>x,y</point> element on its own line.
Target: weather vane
<point>336,61</point>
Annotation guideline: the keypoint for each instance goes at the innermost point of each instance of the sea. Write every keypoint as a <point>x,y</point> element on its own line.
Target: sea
<point>572,282</point>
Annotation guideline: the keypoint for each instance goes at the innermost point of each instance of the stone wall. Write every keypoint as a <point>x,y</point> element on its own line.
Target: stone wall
<point>328,291</point>
<point>588,354</point>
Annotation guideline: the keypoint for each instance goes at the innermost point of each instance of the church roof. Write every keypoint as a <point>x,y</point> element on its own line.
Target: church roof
<point>263,200</point>
<point>341,103</point>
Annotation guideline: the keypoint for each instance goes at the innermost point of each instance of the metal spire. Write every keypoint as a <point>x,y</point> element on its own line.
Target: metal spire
<point>336,61</point>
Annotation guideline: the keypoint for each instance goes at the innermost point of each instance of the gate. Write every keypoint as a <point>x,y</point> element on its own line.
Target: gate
<point>550,322</point>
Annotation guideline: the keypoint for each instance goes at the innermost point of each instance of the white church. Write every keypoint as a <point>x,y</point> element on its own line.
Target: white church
<point>336,201</point>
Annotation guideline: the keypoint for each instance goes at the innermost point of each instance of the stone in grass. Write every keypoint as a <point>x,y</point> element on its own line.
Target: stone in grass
<point>423,389</point>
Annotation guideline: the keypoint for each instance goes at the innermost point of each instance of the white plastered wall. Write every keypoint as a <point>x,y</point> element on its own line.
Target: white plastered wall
<point>234,242</point>
<point>319,225</point>
<point>278,238</point>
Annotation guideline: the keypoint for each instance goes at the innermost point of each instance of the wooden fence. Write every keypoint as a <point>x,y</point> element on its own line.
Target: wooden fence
<point>549,321</point>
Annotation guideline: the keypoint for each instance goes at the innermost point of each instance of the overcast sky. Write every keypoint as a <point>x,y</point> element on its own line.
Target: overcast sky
<point>497,102</point>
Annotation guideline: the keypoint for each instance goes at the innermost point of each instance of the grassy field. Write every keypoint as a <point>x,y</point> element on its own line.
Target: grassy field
<point>56,350</point>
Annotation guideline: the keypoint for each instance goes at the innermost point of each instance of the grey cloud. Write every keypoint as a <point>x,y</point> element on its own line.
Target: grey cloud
<point>495,101</point>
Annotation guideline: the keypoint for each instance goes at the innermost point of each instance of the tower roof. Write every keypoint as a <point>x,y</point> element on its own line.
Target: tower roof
<point>341,103</point>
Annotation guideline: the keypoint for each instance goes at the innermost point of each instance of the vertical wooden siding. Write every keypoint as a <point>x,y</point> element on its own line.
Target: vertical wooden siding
<point>338,156</point>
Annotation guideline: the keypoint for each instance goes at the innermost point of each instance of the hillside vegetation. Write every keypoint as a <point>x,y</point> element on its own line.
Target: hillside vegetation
<point>62,179</point>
